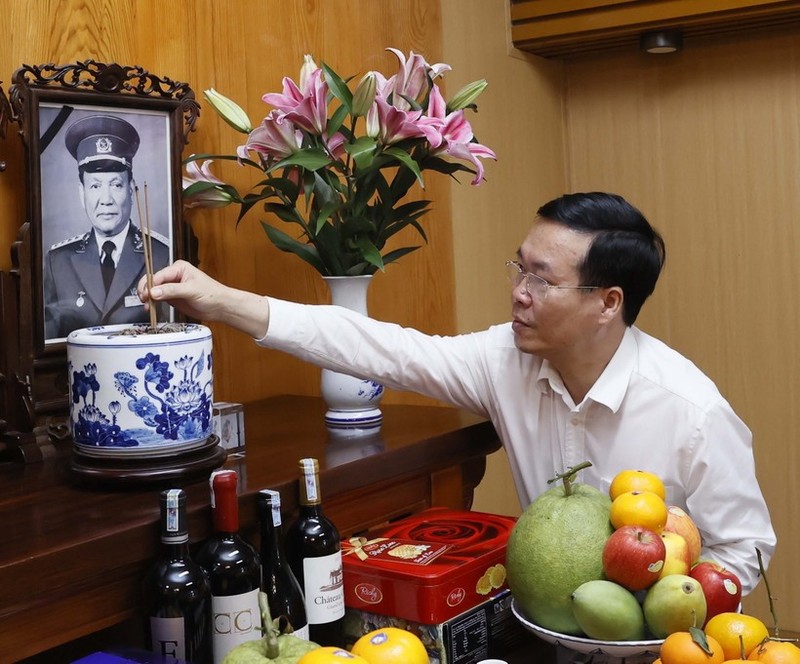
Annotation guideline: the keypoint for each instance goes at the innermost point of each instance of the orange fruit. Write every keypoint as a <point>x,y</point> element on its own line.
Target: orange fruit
<point>729,626</point>
<point>330,655</point>
<point>636,480</point>
<point>391,645</point>
<point>775,652</point>
<point>639,508</point>
<point>680,648</point>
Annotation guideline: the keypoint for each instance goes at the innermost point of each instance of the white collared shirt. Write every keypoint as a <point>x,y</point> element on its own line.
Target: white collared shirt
<point>118,240</point>
<point>651,409</point>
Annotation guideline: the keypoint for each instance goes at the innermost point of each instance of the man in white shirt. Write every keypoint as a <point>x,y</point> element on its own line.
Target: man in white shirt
<point>569,379</point>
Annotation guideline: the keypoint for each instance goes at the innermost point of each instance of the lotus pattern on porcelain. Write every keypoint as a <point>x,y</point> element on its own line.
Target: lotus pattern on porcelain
<point>172,405</point>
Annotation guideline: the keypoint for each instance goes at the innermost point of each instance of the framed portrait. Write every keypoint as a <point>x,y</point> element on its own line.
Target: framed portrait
<point>103,148</point>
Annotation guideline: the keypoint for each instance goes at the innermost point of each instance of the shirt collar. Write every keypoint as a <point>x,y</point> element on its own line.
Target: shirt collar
<point>610,388</point>
<point>118,240</point>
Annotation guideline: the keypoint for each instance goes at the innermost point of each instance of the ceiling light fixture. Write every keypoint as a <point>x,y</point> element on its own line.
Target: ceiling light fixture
<point>661,41</point>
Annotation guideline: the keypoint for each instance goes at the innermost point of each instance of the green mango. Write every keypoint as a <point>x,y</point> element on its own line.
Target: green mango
<point>607,611</point>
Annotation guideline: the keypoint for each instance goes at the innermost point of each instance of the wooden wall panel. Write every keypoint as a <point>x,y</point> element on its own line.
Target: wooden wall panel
<point>707,145</point>
<point>244,49</point>
<point>520,118</point>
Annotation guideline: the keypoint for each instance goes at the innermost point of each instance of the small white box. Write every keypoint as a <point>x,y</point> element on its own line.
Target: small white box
<point>229,425</point>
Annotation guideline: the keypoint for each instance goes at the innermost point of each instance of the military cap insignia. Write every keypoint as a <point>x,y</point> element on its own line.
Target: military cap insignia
<point>103,145</point>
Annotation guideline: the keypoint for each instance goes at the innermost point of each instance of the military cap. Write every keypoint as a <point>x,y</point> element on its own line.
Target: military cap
<point>102,143</point>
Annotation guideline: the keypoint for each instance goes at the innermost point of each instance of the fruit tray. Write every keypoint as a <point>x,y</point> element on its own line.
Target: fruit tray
<point>644,651</point>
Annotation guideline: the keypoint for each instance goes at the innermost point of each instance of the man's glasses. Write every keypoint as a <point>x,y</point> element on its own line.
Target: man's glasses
<point>535,286</point>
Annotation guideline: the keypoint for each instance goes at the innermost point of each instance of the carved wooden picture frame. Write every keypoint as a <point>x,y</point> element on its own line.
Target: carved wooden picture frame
<point>128,128</point>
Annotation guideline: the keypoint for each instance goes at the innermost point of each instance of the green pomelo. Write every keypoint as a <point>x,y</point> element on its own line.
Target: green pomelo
<point>555,546</point>
<point>607,611</point>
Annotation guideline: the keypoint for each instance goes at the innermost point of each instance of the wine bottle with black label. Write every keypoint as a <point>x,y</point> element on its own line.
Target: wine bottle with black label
<point>233,568</point>
<point>177,591</point>
<point>314,552</point>
<point>285,598</point>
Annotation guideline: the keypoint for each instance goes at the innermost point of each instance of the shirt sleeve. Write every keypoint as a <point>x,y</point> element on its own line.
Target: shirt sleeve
<point>724,497</point>
<point>448,368</point>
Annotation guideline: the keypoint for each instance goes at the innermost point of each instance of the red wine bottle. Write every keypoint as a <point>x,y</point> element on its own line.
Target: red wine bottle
<point>286,602</point>
<point>233,568</point>
<point>314,552</point>
<point>177,591</point>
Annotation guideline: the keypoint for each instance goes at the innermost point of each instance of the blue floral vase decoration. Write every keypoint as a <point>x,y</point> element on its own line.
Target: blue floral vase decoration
<point>140,394</point>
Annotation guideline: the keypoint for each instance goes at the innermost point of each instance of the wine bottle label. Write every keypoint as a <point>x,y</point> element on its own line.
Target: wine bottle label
<point>324,588</point>
<point>236,619</point>
<point>168,637</point>
<point>302,633</point>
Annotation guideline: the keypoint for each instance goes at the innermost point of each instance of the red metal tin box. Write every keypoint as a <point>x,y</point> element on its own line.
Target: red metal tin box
<point>428,567</point>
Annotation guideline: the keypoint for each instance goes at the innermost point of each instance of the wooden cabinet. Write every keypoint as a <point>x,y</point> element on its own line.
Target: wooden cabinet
<point>555,28</point>
<point>73,555</point>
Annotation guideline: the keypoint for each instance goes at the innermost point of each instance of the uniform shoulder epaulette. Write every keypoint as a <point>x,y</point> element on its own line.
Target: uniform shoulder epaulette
<point>157,236</point>
<point>82,239</point>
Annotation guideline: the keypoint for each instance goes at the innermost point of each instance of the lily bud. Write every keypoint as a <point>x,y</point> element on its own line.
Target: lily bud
<point>205,195</point>
<point>229,111</point>
<point>467,95</point>
<point>364,94</point>
<point>308,68</point>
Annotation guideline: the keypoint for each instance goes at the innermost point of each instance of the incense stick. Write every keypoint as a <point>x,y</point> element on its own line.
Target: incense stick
<point>144,226</point>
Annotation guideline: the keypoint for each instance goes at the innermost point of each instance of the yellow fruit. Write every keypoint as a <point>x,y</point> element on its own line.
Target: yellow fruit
<point>680,648</point>
<point>729,626</point>
<point>497,575</point>
<point>391,645</point>
<point>636,480</point>
<point>639,508</point>
<point>484,585</point>
<point>330,655</point>
<point>775,652</point>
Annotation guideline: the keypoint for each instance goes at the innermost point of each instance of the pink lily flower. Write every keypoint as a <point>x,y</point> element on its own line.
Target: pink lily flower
<point>275,138</point>
<point>452,134</point>
<point>470,152</point>
<point>210,198</point>
<point>411,81</point>
<point>390,124</point>
<point>307,108</point>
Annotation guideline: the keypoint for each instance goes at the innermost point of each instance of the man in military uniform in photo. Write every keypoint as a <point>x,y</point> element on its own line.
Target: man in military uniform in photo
<point>91,279</point>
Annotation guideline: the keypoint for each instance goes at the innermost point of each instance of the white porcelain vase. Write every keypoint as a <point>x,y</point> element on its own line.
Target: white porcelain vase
<point>352,402</point>
<point>140,395</point>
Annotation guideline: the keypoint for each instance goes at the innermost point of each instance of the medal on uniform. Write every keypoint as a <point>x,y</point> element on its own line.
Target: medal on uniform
<point>80,300</point>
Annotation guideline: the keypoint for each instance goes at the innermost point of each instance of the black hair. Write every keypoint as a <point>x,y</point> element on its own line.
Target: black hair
<point>626,250</point>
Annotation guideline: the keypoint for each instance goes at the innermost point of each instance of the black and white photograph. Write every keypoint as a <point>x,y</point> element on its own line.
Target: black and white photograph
<point>106,192</point>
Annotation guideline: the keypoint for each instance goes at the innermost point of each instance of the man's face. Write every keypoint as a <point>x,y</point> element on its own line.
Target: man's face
<point>107,197</point>
<point>563,322</point>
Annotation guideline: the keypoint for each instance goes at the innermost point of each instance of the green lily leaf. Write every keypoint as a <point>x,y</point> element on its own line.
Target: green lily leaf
<point>324,214</point>
<point>338,87</point>
<point>286,213</point>
<point>288,244</point>
<point>406,160</point>
<point>370,252</point>
<point>311,159</point>
<point>362,151</point>
<point>397,254</point>
<point>337,120</point>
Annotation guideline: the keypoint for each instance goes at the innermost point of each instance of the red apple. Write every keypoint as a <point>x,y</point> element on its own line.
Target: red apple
<point>680,522</point>
<point>677,560</point>
<point>722,588</point>
<point>633,557</point>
